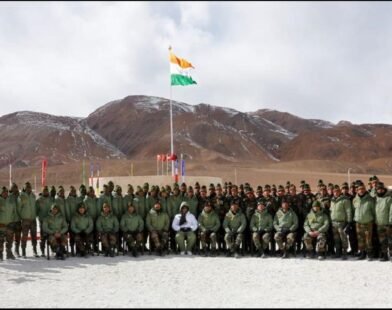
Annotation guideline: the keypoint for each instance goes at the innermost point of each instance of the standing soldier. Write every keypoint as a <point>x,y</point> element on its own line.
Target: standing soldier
<point>202,199</point>
<point>56,228</point>
<point>364,214</point>
<point>175,201</point>
<point>82,227</point>
<point>209,225</point>
<point>272,208</point>
<point>221,207</point>
<point>295,204</point>
<point>132,226</point>
<point>250,203</point>
<point>14,197</point>
<point>140,203</point>
<point>118,211</point>
<point>158,223</point>
<point>71,204</point>
<point>341,218</point>
<point>316,228</point>
<point>234,197</point>
<point>191,201</point>
<point>61,202</point>
<point>105,197</point>
<point>197,189</point>
<point>384,220</point>
<point>350,230</point>
<point>286,225</point>
<point>82,193</point>
<point>28,214</point>
<point>52,193</point>
<point>107,227</point>
<point>307,199</point>
<point>8,218</point>
<point>183,190</point>
<point>43,207</point>
<point>234,225</point>
<point>325,202</point>
<point>185,225</point>
<point>164,199</point>
<point>261,225</point>
<point>130,196</point>
<point>91,204</point>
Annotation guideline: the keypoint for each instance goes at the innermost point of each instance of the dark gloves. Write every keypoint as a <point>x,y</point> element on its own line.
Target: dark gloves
<point>285,230</point>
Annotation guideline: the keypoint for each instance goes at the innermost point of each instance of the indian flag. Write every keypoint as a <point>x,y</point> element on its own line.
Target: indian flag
<point>180,71</point>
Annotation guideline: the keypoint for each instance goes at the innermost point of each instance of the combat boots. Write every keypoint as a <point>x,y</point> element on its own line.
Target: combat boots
<point>285,254</point>
<point>344,254</point>
<point>362,255</point>
<point>369,256</point>
<point>10,255</point>
<point>321,256</point>
<point>213,253</point>
<point>35,251</point>
<point>338,253</point>
<point>111,251</point>
<point>1,256</point>
<point>24,252</point>
<point>17,250</point>
<point>259,252</point>
<point>384,257</point>
<point>236,252</point>
<point>203,252</point>
<point>309,254</point>
<point>134,252</point>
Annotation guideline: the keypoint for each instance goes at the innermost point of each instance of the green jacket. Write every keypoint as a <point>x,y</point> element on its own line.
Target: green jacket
<point>316,222</point>
<point>55,223</point>
<point>8,212</point>
<point>82,223</point>
<point>118,206</point>
<point>164,203</point>
<point>384,210</point>
<point>102,199</point>
<point>287,220</point>
<point>92,207</point>
<point>174,205</point>
<point>209,221</point>
<point>234,222</point>
<point>26,206</point>
<point>261,221</point>
<point>364,209</point>
<point>71,205</point>
<point>192,203</point>
<point>341,209</point>
<point>126,199</point>
<point>62,203</point>
<point>150,202</point>
<point>131,222</point>
<point>107,223</point>
<point>42,206</point>
<point>157,221</point>
<point>140,203</point>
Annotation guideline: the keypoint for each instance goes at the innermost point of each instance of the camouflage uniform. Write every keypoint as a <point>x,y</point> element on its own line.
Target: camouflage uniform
<point>286,225</point>
<point>107,227</point>
<point>383,217</point>
<point>56,227</point>
<point>132,225</point>
<point>234,225</point>
<point>28,214</point>
<point>209,225</point>
<point>261,225</point>
<point>157,223</point>
<point>341,216</point>
<point>43,205</point>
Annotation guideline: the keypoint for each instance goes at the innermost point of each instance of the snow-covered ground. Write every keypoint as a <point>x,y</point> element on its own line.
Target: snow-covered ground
<point>174,281</point>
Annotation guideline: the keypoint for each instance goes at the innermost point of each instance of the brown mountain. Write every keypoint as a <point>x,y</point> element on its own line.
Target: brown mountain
<point>138,128</point>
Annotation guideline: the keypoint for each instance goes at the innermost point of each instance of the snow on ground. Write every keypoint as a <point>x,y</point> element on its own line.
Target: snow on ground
<point>193,281</point>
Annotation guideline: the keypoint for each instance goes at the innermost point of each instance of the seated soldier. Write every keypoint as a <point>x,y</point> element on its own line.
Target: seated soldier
<point>185,225</point>
<point>285,224</point>
<point>316,228</point>
<point>209,225</point>
<point>82,226</point>
<point>132,226</point>
<point>234,225</point>
<point>261,227</point>
<point>107,228</point>
<point>158,224</point>
<point>56,228</point>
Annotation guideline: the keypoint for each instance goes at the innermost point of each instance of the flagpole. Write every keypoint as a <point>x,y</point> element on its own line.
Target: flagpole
<point>171,125</point>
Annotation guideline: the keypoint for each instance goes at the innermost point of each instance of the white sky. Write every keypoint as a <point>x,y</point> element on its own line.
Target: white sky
<point>327,60</point>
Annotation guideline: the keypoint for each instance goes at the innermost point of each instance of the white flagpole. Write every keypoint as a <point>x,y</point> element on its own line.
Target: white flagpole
<point>171,124</point>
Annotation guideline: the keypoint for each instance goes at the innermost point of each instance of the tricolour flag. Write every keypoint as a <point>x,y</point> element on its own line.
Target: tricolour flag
<point>180,71</point>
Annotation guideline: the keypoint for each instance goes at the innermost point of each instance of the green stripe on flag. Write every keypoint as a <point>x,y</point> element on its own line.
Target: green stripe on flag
<point>178,79</point>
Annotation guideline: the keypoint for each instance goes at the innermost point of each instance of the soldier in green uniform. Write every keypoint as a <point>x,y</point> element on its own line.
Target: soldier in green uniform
<point>364,215</point>
<point>8,218</point>
<point>43,205</point>
<point>91,203</point>
<point>325,202</point>
<point>132,226</point>
<point>82,226</point>
<point>28,214</point>
<point>175,201</point>
<point>71,208</point>
<point>384,220</point>
<point>56,228</point>
<point>234,225</point>
<point>158,223</point>
<point>341,219</point>
<point>107,227</point>
<point>286,225</point>
<point>209,225</point>
<point>14,198</point>
<point>261,225</point>
<point>118,209</point>
<point>250,204</point>
<point>316,228</point>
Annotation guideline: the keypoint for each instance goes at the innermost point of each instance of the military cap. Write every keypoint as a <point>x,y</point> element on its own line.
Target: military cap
<point>81,205</point>
<point>139,188</point>
<point>4,189</point>
<point>130,186</point>
<point>45,188</point>
<point>175,185</point>
<point>211,187</point>
<point>218,186</point>
<point>197,185</point>
<point>335,187</point>
<point>344,185</point>
<point>261,202</point>
<point>153,188</point>
<point>203,188</point>
<point>316,203</point>
<point>54,206</point>
<point>146,185</point>
<point>90,188</point>
<point>380,185</point>
<point>303,182</point>
<point>288,183</point>
<point>230,184</point>
<point>320,181</point>
<point>241,186</point>
<point>105,186</point>
<point>330,185</point>
<point>52,188</point>
<point>82,186</point>
<point>280,188</point>
<point>72,188</point>
<point>163,189</point>
<point>306,186</point>
<point>168,188</point>
<point>273,186</point>
<point>322,186</point>
<point>183,184</point>
<point>259,188</point>
<point>267,186</point>
<point>111,183</point>
<point>359,183</point>
<point>190,188</point>
<point>118,187</point>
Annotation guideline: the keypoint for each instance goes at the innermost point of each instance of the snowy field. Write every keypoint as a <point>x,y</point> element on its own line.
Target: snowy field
<point>193,281</point>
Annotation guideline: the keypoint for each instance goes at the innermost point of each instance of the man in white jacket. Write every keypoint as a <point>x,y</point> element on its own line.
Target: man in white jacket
<point>185,224</point>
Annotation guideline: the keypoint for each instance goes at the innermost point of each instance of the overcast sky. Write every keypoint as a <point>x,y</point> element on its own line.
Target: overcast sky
<point>331,61</point>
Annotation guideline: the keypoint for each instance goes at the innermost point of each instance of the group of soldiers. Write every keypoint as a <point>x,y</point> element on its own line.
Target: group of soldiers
<point>226,220</point>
